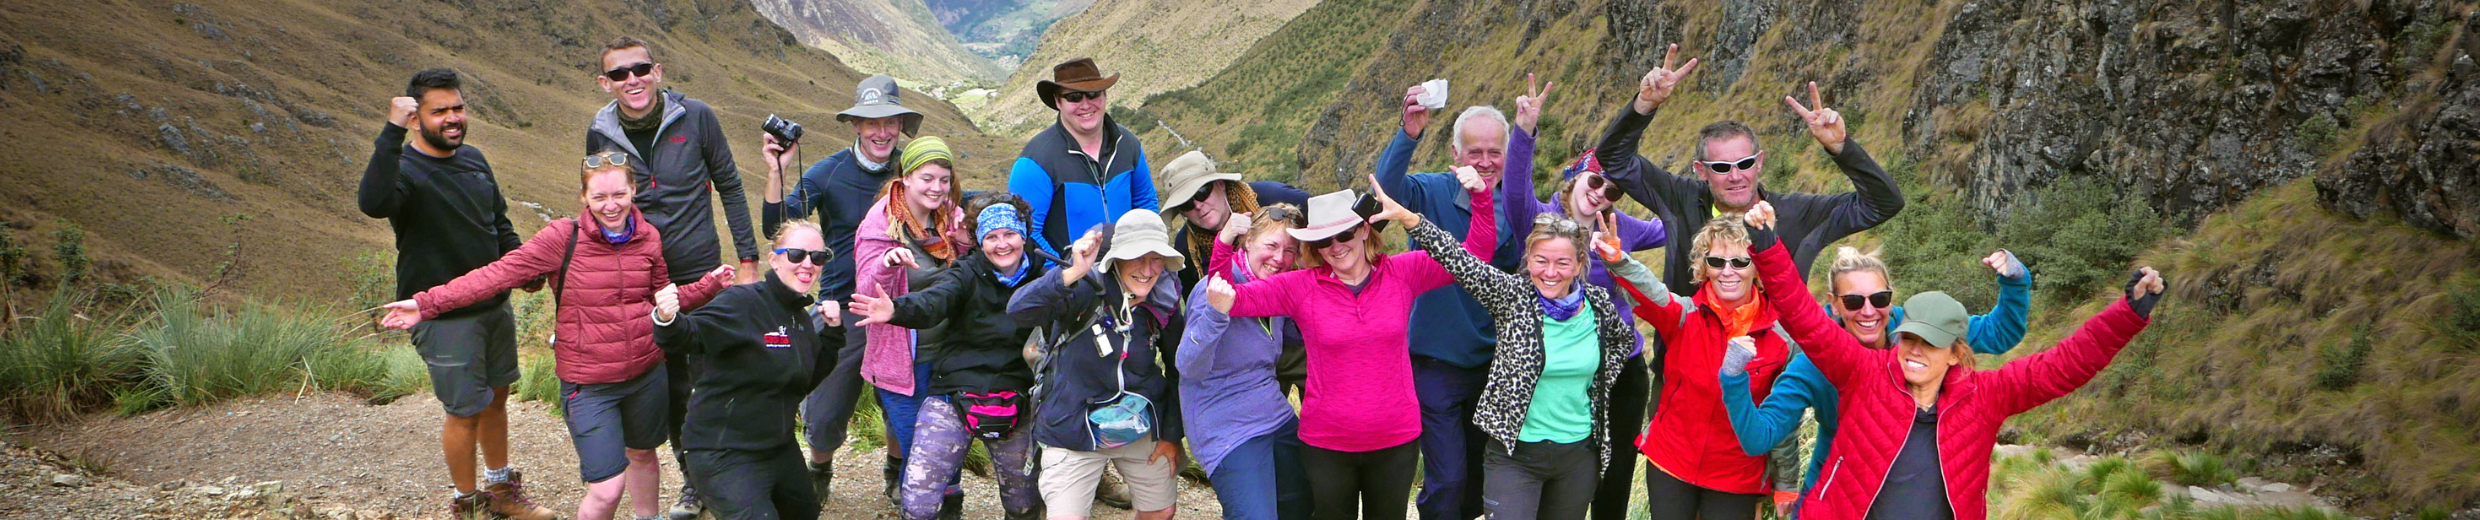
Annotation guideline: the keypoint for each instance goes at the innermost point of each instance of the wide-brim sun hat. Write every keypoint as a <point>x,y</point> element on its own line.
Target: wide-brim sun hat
<point>1139,232</point>
<point>1079,74</point>
<point>1187,174</point>
<point>878,97</point>
<point>1329,215</point>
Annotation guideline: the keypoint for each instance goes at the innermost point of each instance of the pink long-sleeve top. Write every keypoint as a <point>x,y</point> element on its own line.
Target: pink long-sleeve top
<point>1359,393</point>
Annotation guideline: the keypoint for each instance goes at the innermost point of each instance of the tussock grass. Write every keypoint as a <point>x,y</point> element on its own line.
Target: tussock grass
<point>54,364</point>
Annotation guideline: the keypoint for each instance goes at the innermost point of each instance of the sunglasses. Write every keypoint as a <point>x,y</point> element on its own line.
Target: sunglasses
<point>1879,299</point>
<point>622,73</point>
<point>611,158</point>
<point>1747,164</point>
<point>1345,236</point>
<point>798,255</point>
<point>1597,183</point>
<point>1283,214</point>
<point>1554,223</point>
<point>1079,96</point>
<point>1736,262</point>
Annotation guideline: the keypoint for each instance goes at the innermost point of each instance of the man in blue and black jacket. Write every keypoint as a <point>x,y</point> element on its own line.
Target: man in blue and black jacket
<point>1084,170</point>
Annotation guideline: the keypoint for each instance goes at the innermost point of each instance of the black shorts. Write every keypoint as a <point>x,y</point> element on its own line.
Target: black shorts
<point>606,419</point>
<point>766,484</point>
<point>468,356</point>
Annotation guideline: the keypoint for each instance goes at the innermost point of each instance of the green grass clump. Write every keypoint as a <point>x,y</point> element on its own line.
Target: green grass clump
<point>2189,468</point>
<point>540,381</point>
<point>196,355</point>
<point>61,361</point>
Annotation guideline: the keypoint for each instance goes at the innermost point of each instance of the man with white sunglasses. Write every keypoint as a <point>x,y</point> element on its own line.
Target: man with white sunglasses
<point>1725,179</point>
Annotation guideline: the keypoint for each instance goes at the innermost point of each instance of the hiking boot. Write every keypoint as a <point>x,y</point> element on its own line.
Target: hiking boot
<point>475,506</point>
<point>952,507</point>
<point>508,500</point>
<point>688,507</point>
<point>821,480</point>
<point>1112,491</point>
<point>895,481</point>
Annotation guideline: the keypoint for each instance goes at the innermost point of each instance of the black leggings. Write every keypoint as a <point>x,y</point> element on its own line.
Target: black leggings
<point>1669,498</point>
<point>1625,419</point>
<point>1378,482</point>
<point>751,485</point>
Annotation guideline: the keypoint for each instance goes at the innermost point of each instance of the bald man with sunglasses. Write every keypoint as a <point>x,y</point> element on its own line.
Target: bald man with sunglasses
<point>1725,179</point>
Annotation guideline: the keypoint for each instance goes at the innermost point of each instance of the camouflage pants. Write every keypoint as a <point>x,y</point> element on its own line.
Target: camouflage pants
<point>940,440</point>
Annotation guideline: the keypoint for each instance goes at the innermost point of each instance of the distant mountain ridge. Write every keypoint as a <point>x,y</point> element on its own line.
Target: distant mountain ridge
<point>1155,45</point>
<point>900,38</point>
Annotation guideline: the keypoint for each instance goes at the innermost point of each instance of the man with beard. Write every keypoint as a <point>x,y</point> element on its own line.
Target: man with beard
<point>679,158</point>
<point>449,217</point>
<point>841,188</point>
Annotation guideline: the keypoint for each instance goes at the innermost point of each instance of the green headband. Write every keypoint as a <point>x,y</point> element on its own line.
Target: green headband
<point>922,150</point>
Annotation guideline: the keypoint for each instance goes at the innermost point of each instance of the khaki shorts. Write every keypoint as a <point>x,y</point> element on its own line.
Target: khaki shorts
<point>1068,478</point>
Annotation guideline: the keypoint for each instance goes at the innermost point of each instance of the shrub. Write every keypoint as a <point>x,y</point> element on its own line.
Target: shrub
<point>2078,237</point>
<point>2338,365</point>
<point>60,362</point>
<point>12,257</point>
<point>69,248</point>
<point>372,276</point>
<point>1936,245</point>
<point>2460,322</point>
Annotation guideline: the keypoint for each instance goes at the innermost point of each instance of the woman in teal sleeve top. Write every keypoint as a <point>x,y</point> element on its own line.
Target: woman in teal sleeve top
<point>1862,300</point>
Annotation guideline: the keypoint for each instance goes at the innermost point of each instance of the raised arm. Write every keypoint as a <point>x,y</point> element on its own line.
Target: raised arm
<point>536,258</point>
<point>1761,427</point>
<point>1834,352</point>
<point>2039,378</point>
<point>1640,179</point>
<point>1481,239</point>
<point>383,188</point>
<point>1050,299</point>
<point>925,307</point>
<point>708,328</point>
<point>2003,327</point>
<point>1665,310</point>
<point>1487,284</point>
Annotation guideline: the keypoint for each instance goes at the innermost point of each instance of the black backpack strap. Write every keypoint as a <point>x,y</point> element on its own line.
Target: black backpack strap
<point>561,284</point>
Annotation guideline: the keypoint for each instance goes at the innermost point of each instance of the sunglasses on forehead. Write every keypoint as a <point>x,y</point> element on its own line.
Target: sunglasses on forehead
<point>622,74</point>
<point>611,158</point>
<point>1283,214</point>
<point>1736,262</point>
<point>1879,299</point>
<point>1746,164</point>
<point>1078,96</point>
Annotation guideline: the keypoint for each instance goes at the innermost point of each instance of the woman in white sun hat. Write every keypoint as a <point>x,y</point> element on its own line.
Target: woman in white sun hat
<point>1353,305</point>
<point>1101,398</point>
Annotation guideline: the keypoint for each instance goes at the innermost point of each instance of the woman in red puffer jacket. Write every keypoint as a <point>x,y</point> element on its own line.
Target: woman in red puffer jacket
<point>605,269</point>
<point>1698,467</point>
<point>1918,421</point>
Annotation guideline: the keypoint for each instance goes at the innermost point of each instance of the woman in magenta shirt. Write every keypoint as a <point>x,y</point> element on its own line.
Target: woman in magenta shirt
<point>1353,305</point>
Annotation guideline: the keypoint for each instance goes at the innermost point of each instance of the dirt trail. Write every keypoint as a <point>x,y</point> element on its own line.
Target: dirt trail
<point>334,451</point>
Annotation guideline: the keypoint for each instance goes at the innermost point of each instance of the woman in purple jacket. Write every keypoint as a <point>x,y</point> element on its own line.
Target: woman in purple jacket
<point>1246,435</point>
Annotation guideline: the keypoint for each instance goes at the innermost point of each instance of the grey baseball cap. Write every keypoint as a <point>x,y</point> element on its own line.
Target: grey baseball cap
<point>879,97</point>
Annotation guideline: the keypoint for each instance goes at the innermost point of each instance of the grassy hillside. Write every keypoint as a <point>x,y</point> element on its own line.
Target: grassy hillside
<point>900,38</point>
<point>188,139</point>
<point>1155,46</point>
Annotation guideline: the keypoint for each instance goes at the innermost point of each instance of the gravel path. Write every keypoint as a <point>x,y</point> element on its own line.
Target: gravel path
<point>335,452</point>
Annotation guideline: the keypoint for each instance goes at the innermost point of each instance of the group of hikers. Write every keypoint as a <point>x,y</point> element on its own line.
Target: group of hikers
<point>1063,323</point>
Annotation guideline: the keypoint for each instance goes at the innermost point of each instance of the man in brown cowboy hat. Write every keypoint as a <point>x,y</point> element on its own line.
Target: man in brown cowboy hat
<point>841,189</point>
<point>1084,170</point>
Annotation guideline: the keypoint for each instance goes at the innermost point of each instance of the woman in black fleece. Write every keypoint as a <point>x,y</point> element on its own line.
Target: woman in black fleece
<point>759,346</point>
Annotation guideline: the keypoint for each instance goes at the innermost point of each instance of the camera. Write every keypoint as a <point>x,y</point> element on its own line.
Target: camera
<point>1368,206</point>
<point>783,129</point>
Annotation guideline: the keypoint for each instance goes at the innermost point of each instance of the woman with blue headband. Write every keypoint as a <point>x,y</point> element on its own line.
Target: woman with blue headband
<point>979,377</point>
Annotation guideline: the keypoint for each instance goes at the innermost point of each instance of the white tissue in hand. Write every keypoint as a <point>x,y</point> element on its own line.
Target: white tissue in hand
<point>1434,94</point>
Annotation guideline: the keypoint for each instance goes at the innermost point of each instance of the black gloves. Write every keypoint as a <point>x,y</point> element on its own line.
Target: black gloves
<point>2143,306</point>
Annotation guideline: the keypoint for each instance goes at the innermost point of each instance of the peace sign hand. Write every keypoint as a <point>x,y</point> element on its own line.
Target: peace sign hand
<point>1824,123</point>
<point>1388,209</point>
<point>1657,85</point>
<point>1528,106</point>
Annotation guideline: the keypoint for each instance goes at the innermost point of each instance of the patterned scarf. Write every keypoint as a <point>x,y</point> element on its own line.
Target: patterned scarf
<point>1562,308</point>
<point>932,235</point>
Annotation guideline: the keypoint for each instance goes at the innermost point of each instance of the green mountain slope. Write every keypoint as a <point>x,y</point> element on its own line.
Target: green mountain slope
<point>900,38</point>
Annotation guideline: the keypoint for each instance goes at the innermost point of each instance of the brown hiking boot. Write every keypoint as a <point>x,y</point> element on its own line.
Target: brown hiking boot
<point>508,500</point>
<point>476,506</point>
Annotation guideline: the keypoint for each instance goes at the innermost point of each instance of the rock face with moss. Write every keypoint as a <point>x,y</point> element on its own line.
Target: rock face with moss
<point>2425,164</point>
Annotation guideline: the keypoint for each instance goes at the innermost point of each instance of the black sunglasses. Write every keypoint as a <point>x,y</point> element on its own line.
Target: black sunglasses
<point>1736,262</point>
<point>798,255</point>
<point>1345,236</point>
<point>1078,96</point>
<point>1725,167</point>
<point>622,74</point>
<point>1879,299</point>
